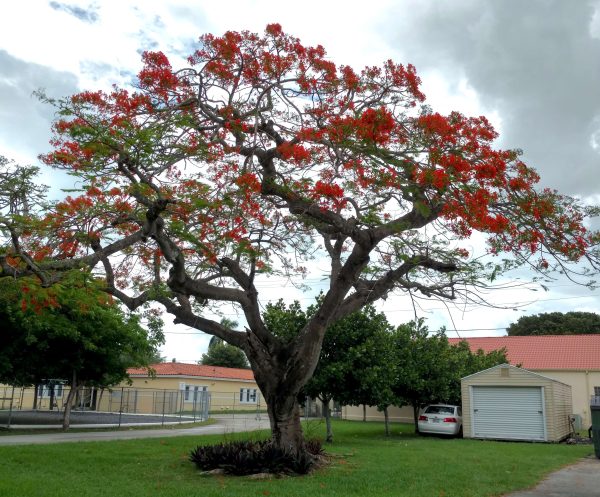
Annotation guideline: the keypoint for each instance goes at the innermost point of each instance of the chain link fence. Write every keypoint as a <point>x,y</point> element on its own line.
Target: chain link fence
<point>140,405</point>
<point>150,405</point>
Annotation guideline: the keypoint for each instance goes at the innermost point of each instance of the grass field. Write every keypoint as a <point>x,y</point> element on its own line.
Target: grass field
<point>364,463</point>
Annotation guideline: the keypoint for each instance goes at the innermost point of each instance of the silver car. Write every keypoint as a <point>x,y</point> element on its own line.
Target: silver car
<point>441,419</point>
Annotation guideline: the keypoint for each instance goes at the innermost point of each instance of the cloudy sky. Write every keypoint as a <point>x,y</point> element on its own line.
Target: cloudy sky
<point>532,67</point>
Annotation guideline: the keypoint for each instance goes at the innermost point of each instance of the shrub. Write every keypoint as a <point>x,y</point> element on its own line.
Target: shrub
<point>251,457</point>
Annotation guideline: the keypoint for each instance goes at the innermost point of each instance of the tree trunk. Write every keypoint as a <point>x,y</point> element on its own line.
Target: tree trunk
<point>386,418</point>
<point>67,413</point>
<point>280,384</point>
<point>415,407</point>
<point>94,400</point>
<point>327,414</point>
<point>286,429</point>
<point>364,412</point>
<point>35,397</point>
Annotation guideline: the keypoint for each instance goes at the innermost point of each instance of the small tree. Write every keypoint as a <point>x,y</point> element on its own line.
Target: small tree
<point>72,332</point>
<point>225,355</point>
<point>353,366</point>
<point>206,178</point>
<point>423,374</point>
<point>464,362</point>
<point>429,369</point>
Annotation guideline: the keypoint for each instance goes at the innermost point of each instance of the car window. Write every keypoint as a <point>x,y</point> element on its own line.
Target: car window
<point>439,410</point>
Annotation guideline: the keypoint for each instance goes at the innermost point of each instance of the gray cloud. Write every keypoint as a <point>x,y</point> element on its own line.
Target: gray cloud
<point>89,15</point>
<point>24,120</point>
<point>536,63</point>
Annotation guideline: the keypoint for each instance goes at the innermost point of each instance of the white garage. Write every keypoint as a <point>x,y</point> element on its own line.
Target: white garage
<point>509,403</point>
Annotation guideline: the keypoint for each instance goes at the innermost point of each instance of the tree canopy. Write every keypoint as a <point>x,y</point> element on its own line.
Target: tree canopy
<point>556,323</point>
<point>262,153</point>
<point>225,355</point>
<point>428,368</point>
<point>69,329</point>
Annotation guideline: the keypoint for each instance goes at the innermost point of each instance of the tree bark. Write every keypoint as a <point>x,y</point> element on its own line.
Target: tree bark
<point>35,397</point>
<point>286,429</point>
<point>415,407</point>
<point>364,412</point>
<point>52,397</point>
<point>67,413</point>
<point>386,418</point>
<point>327,414</point>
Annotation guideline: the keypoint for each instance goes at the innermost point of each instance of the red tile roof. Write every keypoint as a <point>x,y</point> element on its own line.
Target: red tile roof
<point>580,352</point>
<point>181,369</point>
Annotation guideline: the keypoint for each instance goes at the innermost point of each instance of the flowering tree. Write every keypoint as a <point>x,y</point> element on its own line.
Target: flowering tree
<point>203,180</point>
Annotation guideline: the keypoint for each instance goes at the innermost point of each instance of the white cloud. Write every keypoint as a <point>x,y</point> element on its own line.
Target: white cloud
<point>531,74</point>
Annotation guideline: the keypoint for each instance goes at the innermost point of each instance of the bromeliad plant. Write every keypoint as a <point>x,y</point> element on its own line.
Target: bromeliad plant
<point>253,457</point>
<point>203,180</point>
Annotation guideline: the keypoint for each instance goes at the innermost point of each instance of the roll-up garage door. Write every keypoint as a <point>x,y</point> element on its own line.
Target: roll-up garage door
<point>508,413</point>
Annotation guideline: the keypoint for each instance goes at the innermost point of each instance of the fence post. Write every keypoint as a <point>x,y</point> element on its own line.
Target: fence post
<point>12,398</point>
<point>195,406</point>
<point>121,407</point>
<point>163,409</point>
<point>181,405</point>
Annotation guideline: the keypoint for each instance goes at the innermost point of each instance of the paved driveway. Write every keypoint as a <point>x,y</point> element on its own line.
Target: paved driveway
<point>579,480</point>
<point>224,425</point>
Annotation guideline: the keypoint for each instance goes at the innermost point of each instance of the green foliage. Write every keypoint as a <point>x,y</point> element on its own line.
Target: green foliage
<point>72,327</point>
<point>225,355</point>
<point>429,369</point>
<point>285,321</point>
<point>422,369</point>
<point>556,323</point>
<point>252,457</point>
<point>354,364</point>
<point>462,362</point>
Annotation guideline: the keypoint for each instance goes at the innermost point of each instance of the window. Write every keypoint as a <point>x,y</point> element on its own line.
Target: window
<point>190,392</point>
<point>597,391</point>
<point>248,395</point>
<point>46,391</point>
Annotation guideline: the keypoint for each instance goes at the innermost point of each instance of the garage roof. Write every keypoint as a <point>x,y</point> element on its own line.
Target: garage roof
<point>183,369</point>
<point>580,352</point>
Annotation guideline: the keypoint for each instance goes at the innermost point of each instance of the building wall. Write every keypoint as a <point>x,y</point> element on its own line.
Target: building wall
<point>582,388</point>
<point>224,393</point>
<point>557,399</point>
<point>396,414</point>
<point>153,395</point>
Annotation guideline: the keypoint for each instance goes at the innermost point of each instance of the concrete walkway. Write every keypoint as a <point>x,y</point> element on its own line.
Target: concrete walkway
<point>224,425</point>
<point>579,480</point>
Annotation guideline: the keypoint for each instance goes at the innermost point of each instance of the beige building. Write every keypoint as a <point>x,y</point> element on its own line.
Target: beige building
<point>187,384</point>
<point>165,388</point>
<point>396,414</point>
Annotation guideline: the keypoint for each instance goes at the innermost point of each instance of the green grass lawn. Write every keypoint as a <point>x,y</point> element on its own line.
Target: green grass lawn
<point>364,463</point>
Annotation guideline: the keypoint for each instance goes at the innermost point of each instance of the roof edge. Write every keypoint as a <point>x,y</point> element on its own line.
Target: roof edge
<point>505,365</point>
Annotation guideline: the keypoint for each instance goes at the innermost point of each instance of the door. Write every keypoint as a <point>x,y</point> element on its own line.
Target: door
<point>515,413</point>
